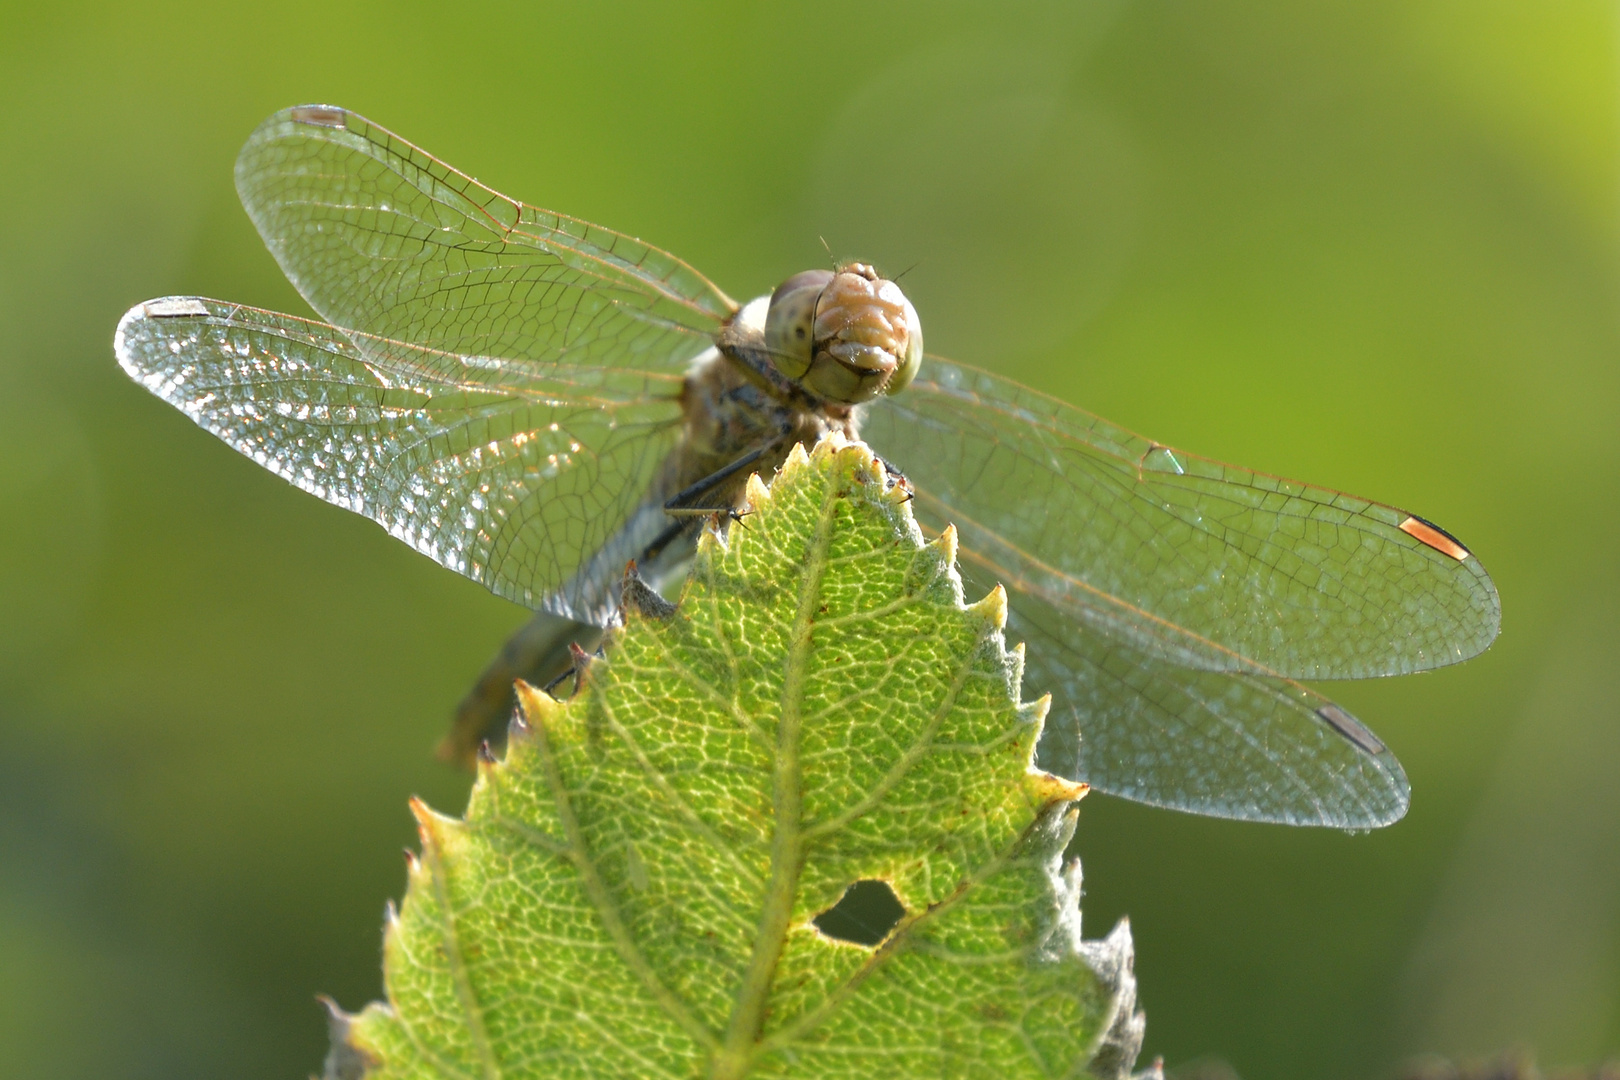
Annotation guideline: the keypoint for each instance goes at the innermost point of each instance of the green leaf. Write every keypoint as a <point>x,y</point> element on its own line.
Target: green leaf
<point>635,889</point>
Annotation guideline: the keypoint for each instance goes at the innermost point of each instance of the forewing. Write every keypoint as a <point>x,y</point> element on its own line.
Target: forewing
<point>508,472</point>
<point>1190,561</point>
<point>382,238</point>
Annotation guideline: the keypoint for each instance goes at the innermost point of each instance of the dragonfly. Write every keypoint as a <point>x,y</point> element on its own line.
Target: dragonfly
<point>533,401</point>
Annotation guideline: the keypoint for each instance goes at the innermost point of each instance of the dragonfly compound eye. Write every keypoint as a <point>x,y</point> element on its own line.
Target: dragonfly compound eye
<point>847,336</point>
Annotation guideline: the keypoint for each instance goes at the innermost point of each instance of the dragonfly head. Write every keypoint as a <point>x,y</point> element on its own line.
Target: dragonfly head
<point>846,335</point>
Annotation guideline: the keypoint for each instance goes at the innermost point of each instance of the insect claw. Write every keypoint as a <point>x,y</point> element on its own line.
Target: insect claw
<point>896,477</point>
<point>558,681</point>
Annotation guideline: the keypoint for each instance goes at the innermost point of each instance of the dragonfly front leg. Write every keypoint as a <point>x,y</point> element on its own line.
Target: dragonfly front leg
<point>896,477</point>
<point>681,504</point>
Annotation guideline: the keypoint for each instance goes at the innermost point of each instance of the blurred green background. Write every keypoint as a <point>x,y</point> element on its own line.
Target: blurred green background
<point>1371,244</point>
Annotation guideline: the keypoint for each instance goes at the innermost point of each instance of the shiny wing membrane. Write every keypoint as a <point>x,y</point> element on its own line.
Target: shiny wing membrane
<point>382,238</point>
<point>501,387</point>
<point>509,472</point>
<point>1203,564</point>
<point>1168,601</point>
<point>1218,743</point>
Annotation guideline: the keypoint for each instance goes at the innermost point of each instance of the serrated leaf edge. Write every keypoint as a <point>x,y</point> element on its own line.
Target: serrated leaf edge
<point>543,718</point>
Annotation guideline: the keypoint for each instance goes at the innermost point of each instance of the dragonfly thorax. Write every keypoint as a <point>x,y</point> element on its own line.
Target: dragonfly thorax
<point>847,335</point>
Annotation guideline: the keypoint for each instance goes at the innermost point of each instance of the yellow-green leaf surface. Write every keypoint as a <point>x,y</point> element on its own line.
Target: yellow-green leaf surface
<point>633,890</point>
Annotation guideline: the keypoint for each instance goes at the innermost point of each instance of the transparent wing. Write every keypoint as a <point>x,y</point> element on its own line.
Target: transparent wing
<point>1168,601</point>
<point>383,239</point>
<point>511,472</point>
<point>1223,744</point>
<point>1189,561</point>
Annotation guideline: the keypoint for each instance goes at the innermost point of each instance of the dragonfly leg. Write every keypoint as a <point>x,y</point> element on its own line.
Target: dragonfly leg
<point>671,533</point>
<point>562,676</point>
<point>895,476</point>
<point>538,653</point>
<point>680,505</point>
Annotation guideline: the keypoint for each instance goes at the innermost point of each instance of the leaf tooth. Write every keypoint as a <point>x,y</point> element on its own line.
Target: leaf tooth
<point>539,707</point>
<point>344,1057</point>
<point>334,1011</point>
<point>582,662</point>
<point>1015,673</point>
<point>829,445</point>
<point>861,464</point>
<point>992,609</point>
<point>1036,712</point>
<point>442,836</point>
<point>517,729</point>
<point>417,873</point>
<point>797,459</point>
<point>635,595</point>
<point>711,542</point>
<point>429,822</point>
<point>946,544</point>
<point>758,492</point>
<point>1043,787</point>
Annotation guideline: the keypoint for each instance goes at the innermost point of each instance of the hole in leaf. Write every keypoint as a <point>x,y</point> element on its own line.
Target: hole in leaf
<point>864,915</point>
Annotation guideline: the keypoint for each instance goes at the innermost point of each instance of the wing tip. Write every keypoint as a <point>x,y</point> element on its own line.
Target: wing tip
<point>1427,532</point>
<point>163,307</point>
<point>280,125</point>
<point>1370,818</point>
<point>1359,735</point>
<point>1487,609</point>
<point>328,116</point>
<point>310,114</point>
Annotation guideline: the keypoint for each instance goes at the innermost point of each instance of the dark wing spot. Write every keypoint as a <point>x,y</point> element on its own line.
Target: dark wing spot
<point>1435,537</point>
<point>175,307</point>
<point>1351,728</point>
<point>320,115</point>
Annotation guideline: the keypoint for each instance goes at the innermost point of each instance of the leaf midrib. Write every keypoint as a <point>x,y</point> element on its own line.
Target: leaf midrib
<point>787,848</point>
